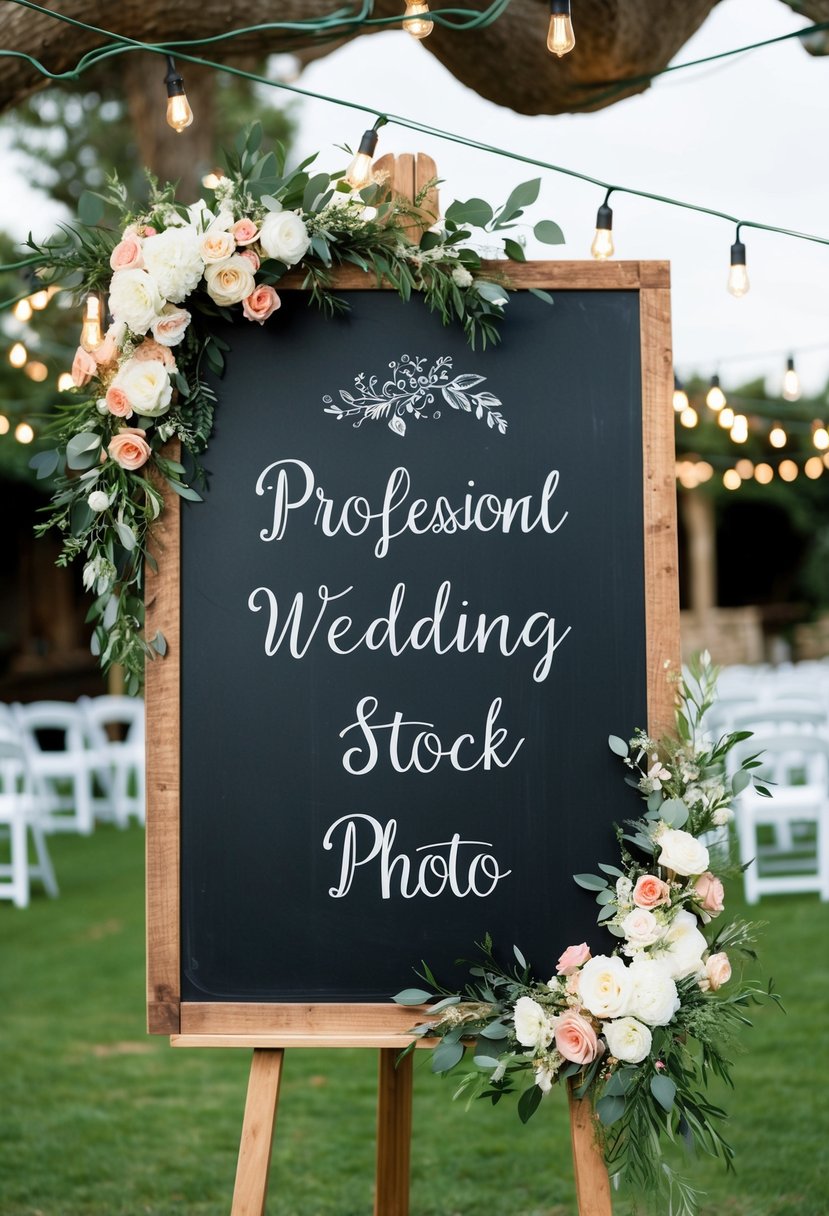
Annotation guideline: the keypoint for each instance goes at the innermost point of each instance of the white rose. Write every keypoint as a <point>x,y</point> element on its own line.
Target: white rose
<point>231,281</point>
<point>682,852</point>
<point>170,327</point>
<point>532,1026</point>
<point>641,928</point>
<point>284,236</point>
<point>545,1071</point>
<point>216,246</point>
<point>682,946</point>
<point>624,889</point>
<point>605,987</point>
<point>147,386</point>
<point>134,299</point>
<point>461,277</point>
<point>627,1039</point>
<point>98,500</point>
<point>654,998</point>
<point>721,817</point>
<point>173,259</point>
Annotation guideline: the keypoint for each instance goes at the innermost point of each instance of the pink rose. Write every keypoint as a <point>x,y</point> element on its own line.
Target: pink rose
<point>717,972</point>
<point>106,352</point>
<point>650,892</point>
<point>129,448</point>
<point>573,958</point>
<point>259,305</point>
<point>251,257</point>
<point>127,254</point>
<point>244,231</point>
<point>150,349</point>
<point>575,1038</point>
<point>710,893</point>
<point>169,328</point>
<point>117,402</point>
<point>84,367</point>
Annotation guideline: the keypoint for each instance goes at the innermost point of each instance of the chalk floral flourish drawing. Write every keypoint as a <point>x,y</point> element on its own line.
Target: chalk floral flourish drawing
<point>411,390</point>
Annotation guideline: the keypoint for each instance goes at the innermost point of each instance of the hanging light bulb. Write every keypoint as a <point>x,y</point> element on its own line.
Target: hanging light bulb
<point>91,331</point>
<point>65,382</point>
<point>4,425</point>
<point>777,436</point>
<point>731,479</point>
<point>36,371</point>
<point>791,381</point>
<point>788,470</point>
<point>738,283</point>
<point>22,310</point>
<point>689,417</point>
<point>416,19</point>
<point>41,298</point>
<point>602,246</point>
<point>725,418</point>
<point>813,468</point>
<point>739,428</point>
<point>820,435</point>
<point>359,171</point>
<point>560,36</point>
<point>179,114</point>
<point>18,355</point>
<point>763,474</point>
<point>745,468</point>
<point>680,396</point>
<point>715,398</point>
<point>23,433</point>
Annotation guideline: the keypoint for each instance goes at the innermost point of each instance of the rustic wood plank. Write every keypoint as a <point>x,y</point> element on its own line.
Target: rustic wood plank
<point>333,1020</point>
<point>661,558</point>
<point>251,1189</point>
<point>563,276</point>
<point>592,1182</point>
<point>394,1134</point>
<point>163,770</point>
<point>396,1042</point>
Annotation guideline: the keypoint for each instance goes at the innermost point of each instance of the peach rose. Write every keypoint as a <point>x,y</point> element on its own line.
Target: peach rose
<point>259,305</point>
<point>150,349</point>
<point>169,328</point>
<point>217,246</point>
<point>107,352</point>
<point>575,1038</point>
<point>710,893</point>
<point>244,231</point>
<point>117,402</point>
<point>127,254</point>
<point>250,256</point>
<point>129,448</point>
<point>650,892</point>
<point>717,972</point>
<point>84,367</point>
<point>572,958</point>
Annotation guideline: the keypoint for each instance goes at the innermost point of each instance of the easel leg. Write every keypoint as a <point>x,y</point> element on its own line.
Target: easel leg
<point>251,1187</point>
<point>592,1182</point>
<point>394,1134</point>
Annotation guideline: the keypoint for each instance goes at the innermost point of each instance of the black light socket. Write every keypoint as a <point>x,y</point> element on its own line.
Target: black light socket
<point>738,254</point>
<point>604,217</point>
<point>368,143</point>
<point>559,8</point>
<point>173,80</point>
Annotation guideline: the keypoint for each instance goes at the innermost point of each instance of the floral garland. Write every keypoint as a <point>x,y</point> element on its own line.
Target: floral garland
<point>169,272</point>
<point>622,1026</point>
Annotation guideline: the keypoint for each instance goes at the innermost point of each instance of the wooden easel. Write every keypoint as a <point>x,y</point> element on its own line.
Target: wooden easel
<point>394,1134</point>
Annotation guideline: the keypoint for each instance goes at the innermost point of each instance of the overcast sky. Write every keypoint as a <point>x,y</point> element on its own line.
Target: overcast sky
<point>747,137</point>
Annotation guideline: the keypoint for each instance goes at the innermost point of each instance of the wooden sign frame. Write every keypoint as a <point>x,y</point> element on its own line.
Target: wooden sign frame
<point>271,1027</point>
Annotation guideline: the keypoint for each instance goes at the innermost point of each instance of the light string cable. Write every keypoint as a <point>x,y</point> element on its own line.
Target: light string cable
<point>121,45</point>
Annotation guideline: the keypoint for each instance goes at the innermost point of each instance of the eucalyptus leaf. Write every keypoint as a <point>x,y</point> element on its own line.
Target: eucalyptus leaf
<point>542,295</point>
<point>524,195</point>
<point>514,250</point>
<point>617,745</point>
<point>590,882</point>
<point>548,233</point>
<point>610,1108</point>
<point>412,996</point>
<point>446,1056</point>
<point>45,463</point>
<point>90,209</point>
<point>528,1103</point>
<point>740,780</point>
<point>475,211</point>
<point>495,1030</point>
<point>663,1090</point>
<point>674,812</point>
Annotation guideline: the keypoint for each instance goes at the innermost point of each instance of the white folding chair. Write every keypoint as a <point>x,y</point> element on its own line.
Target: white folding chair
<point>63,764</point>
<point>18,820</point>
<point>115,725</point>
<point>791,860</point>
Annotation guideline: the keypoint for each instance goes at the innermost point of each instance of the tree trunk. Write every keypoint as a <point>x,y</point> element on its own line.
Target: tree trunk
<point>184,157</point>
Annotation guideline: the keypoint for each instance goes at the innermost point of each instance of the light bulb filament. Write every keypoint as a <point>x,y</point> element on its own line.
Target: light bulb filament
<point>560,36</point>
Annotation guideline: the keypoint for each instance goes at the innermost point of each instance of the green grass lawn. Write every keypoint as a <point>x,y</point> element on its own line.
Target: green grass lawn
<point>97,1119</point>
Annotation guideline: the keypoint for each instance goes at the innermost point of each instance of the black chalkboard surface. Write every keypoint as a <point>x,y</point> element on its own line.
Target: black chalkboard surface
<point>412,610</point>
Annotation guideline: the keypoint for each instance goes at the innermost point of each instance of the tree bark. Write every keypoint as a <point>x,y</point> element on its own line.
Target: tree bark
<point>508,62</point>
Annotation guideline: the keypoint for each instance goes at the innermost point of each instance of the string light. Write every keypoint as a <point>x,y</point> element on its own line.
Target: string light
<point>739,428</point>
<point>820,435</point>
<point>560,36</point>
<point>788,470</point>
<point>22,311</point>
<point>179,114</point>
<point>680,396</point>
<point>359,171</point>
<point>777,436</point>
<point>91,332</point>
<point>65,382</point>
<point>4,425</point>
<point>791,381</point>
<point>725,418</point>
<point>23,433</point>
<point>36,371</point>
<point>416,20</point>
<point>715,398</point>
<point>689,417</point>
<point>602,246</point>
<point>18,355</point>
<point>41,298</point>
<point>738,283</point>
<point>813,468</point>
<point>731,479</point>
<point>745,468</point>
<point>763,474</point>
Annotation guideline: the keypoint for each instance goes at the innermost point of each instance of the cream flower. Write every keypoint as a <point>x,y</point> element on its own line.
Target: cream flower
<point>641,928</point>
<point>134,299</point>
<point>627,1039</point>
<point>283,236</point>
<point>146,385</point>
<point>532,1026</point>
<point>174,260</point>
<point>605,987</point>
<point>682,852</point>
<point>682,946</point>
<point>229,282</point>
<point>654,999</point>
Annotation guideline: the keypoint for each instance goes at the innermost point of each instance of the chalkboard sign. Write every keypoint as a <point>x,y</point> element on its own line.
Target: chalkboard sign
<point>424,586</point>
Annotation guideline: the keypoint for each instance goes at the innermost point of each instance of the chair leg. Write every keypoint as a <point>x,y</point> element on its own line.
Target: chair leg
<point>44,869</point>
<point>20,863</point>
